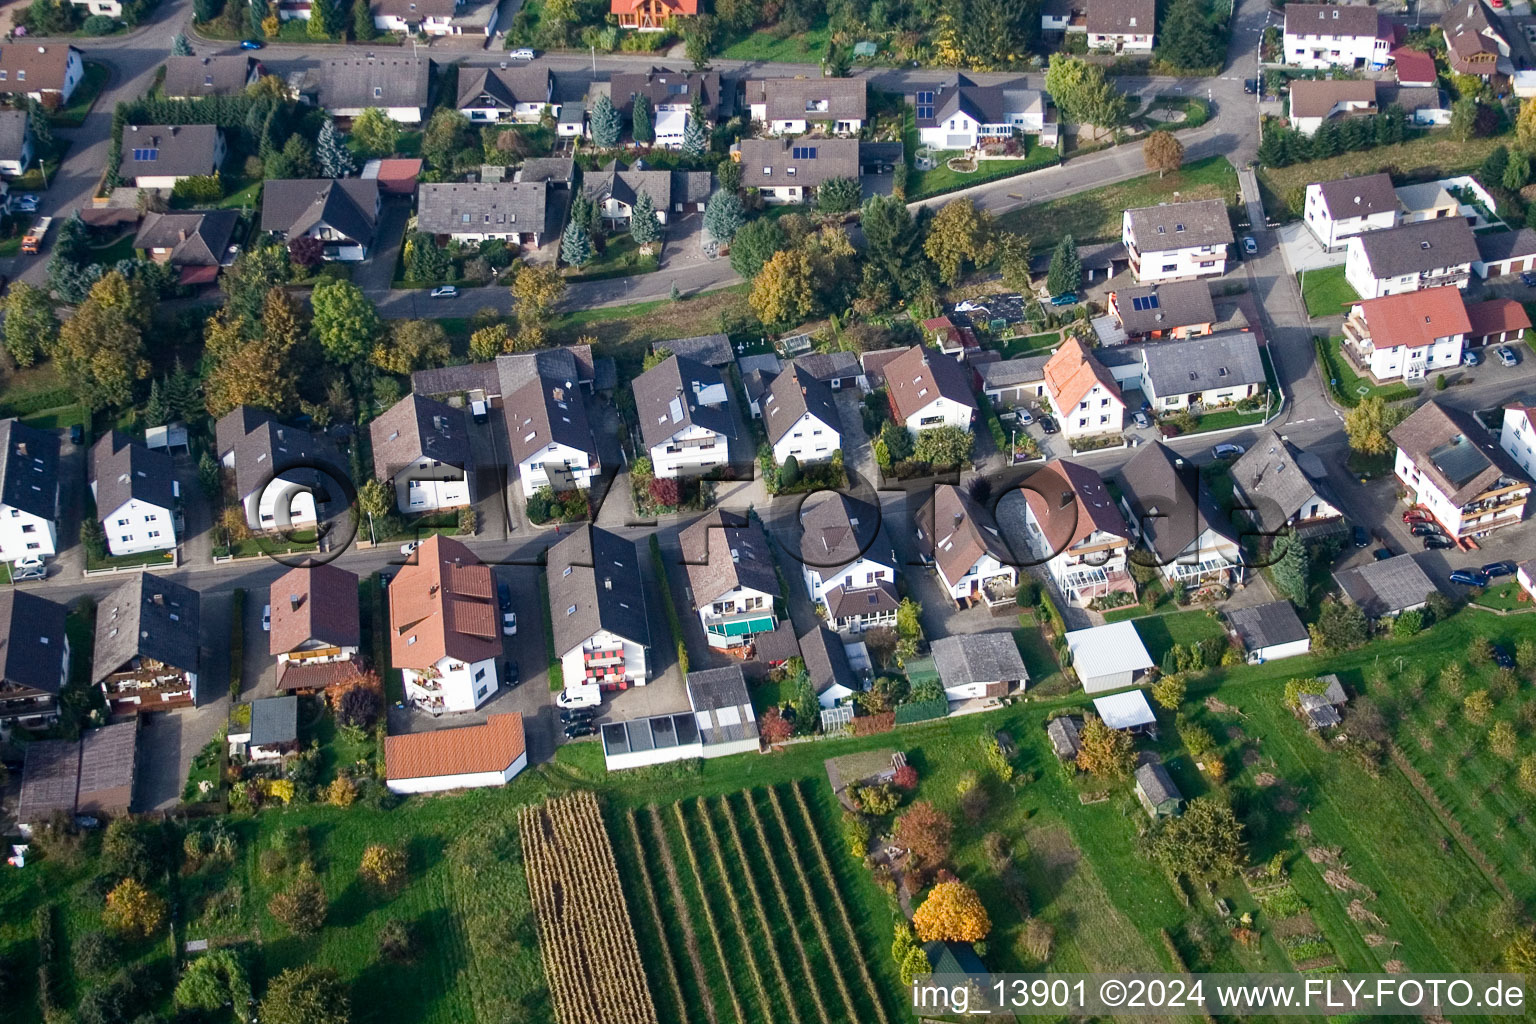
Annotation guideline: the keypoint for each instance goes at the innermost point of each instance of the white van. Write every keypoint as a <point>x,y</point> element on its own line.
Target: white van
<point>580,697</point>
<point>522,53</point>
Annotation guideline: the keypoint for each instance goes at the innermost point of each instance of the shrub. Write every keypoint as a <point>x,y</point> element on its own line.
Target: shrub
<point>302,905</point>
<point>397,944</point>
<point>342,792</point>
<point>856,835</point>
<point>905,778</point>
<point>133,910</point>
<point>98,25</point>
<point>383,868</point>
<point>95,954</point>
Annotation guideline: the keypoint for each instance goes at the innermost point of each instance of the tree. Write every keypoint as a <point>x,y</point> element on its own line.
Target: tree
<point>643,226</point>
<point>537,289</point>
<point>838,195</point>
<point>724,216</point>
<point>959,235</point>
<point>789,472</point>
<point>101,347</point>
<point>1479,651</point>
<point>363,28</point>
<point>133,910</point>
<point>640,126</point>
<point>252,276</point>
<point>575,245</point>
<point>1106,752</point>
<point>1477,706</point>
<point>179,46</point>
<point>374,499</point>
<point>295,160</point>
<point>412,345</point>
<point>213,981</point>
<point>447,136</point>
<point>1339,627</point>
<point>1520,954</point>
<point>944,446</point>
<point>31,328</point>
<point>1204,843</point>
<point>332,156</point>
<point>784,293</point>
<point>302,905</point>
<point>755,245</point>
<point>1527,773</point>
<point>1368,424</point>
<point>246,370</point>
<point>925,831</point>
<point>1162,152</point>
<point>1065,275</point>
<point>1503,741</point>
<point>894,243</point>
<point>1169,691</point>
<point>606,122</point>
<point>1188,40</point>
<point>383,868</point>
<point>488,342</point>
<point>375,133</point>
<point>396,942</point>
<point>774,727</point>
<point>1408,623</point>
<point>325,20</point>
<point>1464,120</point>
<point>1517,172</point>
<point>126,851</point>
<point>1084,95</point>
<point>695,137</point>
<point>1525,126</point>
<point>952,913</point>
<point>914,963</point>
<point>345,322</point>
<point>897,440</point>
<point>306,995</point>
<point>1013,260</point>
<point>1290,571</point>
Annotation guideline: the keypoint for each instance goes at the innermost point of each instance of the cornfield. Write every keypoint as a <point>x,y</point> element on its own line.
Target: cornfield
<point>590,953</point>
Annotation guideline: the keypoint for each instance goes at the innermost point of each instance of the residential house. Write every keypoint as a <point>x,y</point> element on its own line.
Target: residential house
<point>615,188</point>
<point>197,243</point>
<point>521,94</point>
<point>1335,210</point>
<point>1064,16</point>
<point>1453,468</point>
<point>959,537</point>
<point>1269,632</point>
<point>315,626</point>
<point>34,658</point>
<point>1387,588</point>
<point>671,95</point>
<point>1474,40</point>
<point>136,494</point>
<point>191,78</point>
<point>1127,712</point>
<point>511,371</point>
<point>280,471</point>
<point>1427,254</point>
<point>731,577</point>
<point>571,119</point>
<point>1217,370</point>
<point>1525,575</point>
<point>948,337</point>
<point>1109,657</point>
<point>1177,240</point>
<point>1335,36</point>
<point>347,86</point>
<point>961,114</point>
<point>29,492</point>
<point>341,212</point>
<point>684,408</point>
<point>1495,322</point>
<point>597,607</point>
<point>16,142</point>
<point>1073,522</point>
<point>1170,508</point>
<point>467,757</point>
<point>1011,383</point>
<point>651,15</point>
<point>777,647</point>
<point>1406,335</point>
<point>160,155</point>
<point>1281,486</point>
<point>444,628</point>
<point>91,776</point>
<point>557,172</point>
<point>847,562</point>
<point>973,665</point>
<point>1314,101</point>
<point>792,106</point>
<point>722,710</point>
<point>424,17</point>
<point>1460,196</point>
<point>551,438</point>
<point>926,389</point>
<point>147,646</point>
<point>801,418</point>
<point>470,213</point>
<point>1501,253</point>
<point>1121,26</point>
<point>421,446</point>
<point>1424,106</point>
<point>1082,392</point>
<point>787,170</point>
<point>273,732</point>
<point>838,370</point>
<point>1517,436</point>
<point>1178,309</point>
<point>37,70</point>
<point>826,662</point>
<point>1155,790</point>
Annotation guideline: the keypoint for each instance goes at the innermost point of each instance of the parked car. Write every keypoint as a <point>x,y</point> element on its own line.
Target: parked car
<point>24,203</point>
<point>1064,299</point>
<point>1381,554</point>
<point>1227,451</point>
<point>578,729</point>
<point>1470,358</point>
<point>1023,417</point>
<point>1250,86</point>
<point>1496,569</point>
<point>1362,538</point>
<point>569,715</point>
<point>504,596</point>
<point>1140,419</point>
<point>251,44</point>
<point>1426,530</point>
<point>445,291</point>
<point>1470,577</point>
<point>266,618</point>
<point>1250,246</point>
<point>1502,657</point>
<point>1418,515</point>
<point>407,549</point>
<point>1047,424</point>
<point>509,673</point>
<point>1506,355</point>
<point>522,53</point>
<point>76,433</point>
<point>579,697</point>
<point>1438,542</point>
<point>479,411</point>
<point>1528,279</point>
<point>509,623</point>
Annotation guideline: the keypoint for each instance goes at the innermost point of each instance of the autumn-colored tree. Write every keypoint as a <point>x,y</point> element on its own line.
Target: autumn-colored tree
<point>489,342</point>
<point>1525,126</point>
<point>342,792</point>
<point>1503,741</point>
<point>302,905</point>
<point>383,868</point>
<point>1013,260</point>
<point>666,491</point>
<point>1367,425</point>
<point>905,778</point>
<point>255,373</point>
<point>101,348</point>
<point>1477,706</point>
<point>1527,773</point>
<point>1104,751</point>
<point>1520,954</point>
<point>306,995</point>
<point>412,345</point>
<point>774,728</point>
<point>537,288</point>
<point>1163,153</point>
<point>1169,691</point>
<point>31,328</point>
<point>925,831</point>
<point>358,701</point>
<point>133,910</point>
<point>952,913</point>
<point>959,236</point>
<point>784,291</point>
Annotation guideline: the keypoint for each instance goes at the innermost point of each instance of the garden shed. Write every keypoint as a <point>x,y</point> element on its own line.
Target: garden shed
<point>1109,657</point>
<point>1129,711</point>
<point>1157,793</point>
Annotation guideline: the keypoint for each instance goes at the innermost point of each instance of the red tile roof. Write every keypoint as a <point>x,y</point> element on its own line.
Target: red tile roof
<point>397,176</point>
<point>318,675</point>
<point>1415,319</point>
<point>1072,372</point>
<point>440,605</point>
<point>1414,67</point>
<point>467,750</point>
<point>675,8</point>
<point>1496,316</point>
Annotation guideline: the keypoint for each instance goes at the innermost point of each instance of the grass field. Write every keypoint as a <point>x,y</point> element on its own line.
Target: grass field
<point>1505,596</point>
<point>766,45</point>
<point>1326,292</point>
<point>621,258</point>
<point>1352,387</point>
<point>623,332</point>
<point>1095,215</point>
<point>1034,344</point>
<point>83,98</point>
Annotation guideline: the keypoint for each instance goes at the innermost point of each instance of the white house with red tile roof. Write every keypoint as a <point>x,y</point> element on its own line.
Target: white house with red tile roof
<point>1406,336</point>
<point>468,757</point>
<point>444,627</point>
<point>1082,392</point>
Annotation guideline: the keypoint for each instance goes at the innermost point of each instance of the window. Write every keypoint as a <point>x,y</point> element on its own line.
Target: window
<point>1170,268</point>
<point>29,528</point>
<point>480,675</point>
<point>1083,422</point>
<point>767,172</point>
<point>153,534</point>
<point>122,522</point>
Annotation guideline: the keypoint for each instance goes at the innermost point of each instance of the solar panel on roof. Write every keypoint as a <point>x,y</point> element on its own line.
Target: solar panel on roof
<point>1140,302</point>
<point>146,154</point>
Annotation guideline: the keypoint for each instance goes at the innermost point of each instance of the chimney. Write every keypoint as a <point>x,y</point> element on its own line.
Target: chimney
<point>157,598</point>
<point>181,235</point>
<point>295,601</point>
<point>175,128</point>
<point>959,518</point>
<point>607,582</point>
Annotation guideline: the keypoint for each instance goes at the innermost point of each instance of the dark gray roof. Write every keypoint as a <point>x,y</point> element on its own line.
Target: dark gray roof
<point>196,238</point>
<point>1409,97</point>
<point>1154,782</point>
<point>350,83</point>
<point>779,645</point>
<point>1115,17</point>
<point>954,958</point>
<point>795,98</point>
<point>50,780</point>
<point>274,720</point>
<point>1386,587</point>
<point>658,732</point>
<point>548,169</point>
<point>1267,625</point>
<point>1180,225</point>
<point>166,150</point>
<point>830,365</point>
<point>1415,248</point>
<point>264,448</point>
<point>1170,503</point>
<point>215,75</point>
<point>505,87</point>
<point>1011,372</point>
<point>1359,197</point>
<point>978,658</point>
<point>1331,20</point>
<point>798,161</point>
<point>1450,447</point>
<point>1503,245</point>
<point>147,617</point>
<point>108,759</point>
<point>986,104</point>
<point>547,411</point>
<point>481,208</point>
<point>848,602</point>
<point>123,469</point>
<point>791,395</point>
<point>32,642</point>
<point>507,373</point>
<point>826,660</point>
<point>13,133</point>
<point>1270,479</point>
<point>625,184</point>
<point>1064,736</point>
<point>722,551</point>
<point>595,583</point>
<point>666,400</point>
<point>664,86</point>
<point>418,427</point>
<point>349,206</point>
<point>29,473</point>
<point>709,349</point>
<point>721,705</point>
<point>1214,361</point>
<point>1164,307</point>
<point>692,186</point>
<point>836,529</point>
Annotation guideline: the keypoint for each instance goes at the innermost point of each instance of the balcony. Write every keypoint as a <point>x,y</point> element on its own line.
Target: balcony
<point>603,657</point>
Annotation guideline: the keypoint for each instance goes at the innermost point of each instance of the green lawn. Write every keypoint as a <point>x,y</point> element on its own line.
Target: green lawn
<point>120,248</point>
<point>1031,345</point>
<point>1161,632</point>
<point>1326,292</point>
<point>1352,387</point>
<point>83,98</point>
<point>766,45</point>
<point>1506,596</point>
<point>1225,419</point>
<point>14,227</point>
<point>621,257</point>
<point>1095,215</point>
<point>38,177</point>
<point>150,558</point>
<point>942,179</point>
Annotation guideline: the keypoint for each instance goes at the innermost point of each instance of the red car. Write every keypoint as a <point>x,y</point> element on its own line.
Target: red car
<point>1417,515</point>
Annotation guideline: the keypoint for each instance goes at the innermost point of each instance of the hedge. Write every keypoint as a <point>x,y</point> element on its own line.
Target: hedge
<point>922,711</point>
<point>1053,617</point>
<point>666,600</point>
<point>868,725</point>
<point>556,668</point>
<point>994,425</point>
<point>236,642</point>
<point>29,402</point>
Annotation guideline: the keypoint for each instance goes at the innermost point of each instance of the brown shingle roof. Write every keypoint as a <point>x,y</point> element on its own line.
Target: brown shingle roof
<point>798,161</point>
<point>956,532</point>
<point>314,603</point>
<point>1121,17</point>
<point>918,376</point>
<point>722,551</point>
<point>223,75</point>
<point>41,67</point>
<point>417,427</point>
<point>1180,225</point>
<point>1330,20</point>
<point>442,605</point>
<point>1449,446</point>
<point>789,98</point>
<point>1359,197</point>
<point>468,750</point>
<point>1318,97</point>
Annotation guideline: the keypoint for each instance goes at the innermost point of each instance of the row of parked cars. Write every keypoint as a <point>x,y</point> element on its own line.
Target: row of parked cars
<point>1504,352</point>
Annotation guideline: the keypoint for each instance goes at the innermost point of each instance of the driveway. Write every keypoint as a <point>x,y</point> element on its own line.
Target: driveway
<point>1303,251</point>
<point>172,738</point>
<point>685,241</point>
<point>377,272</point>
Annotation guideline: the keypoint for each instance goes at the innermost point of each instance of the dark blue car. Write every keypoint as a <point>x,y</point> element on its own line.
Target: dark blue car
<point>1470,577</point>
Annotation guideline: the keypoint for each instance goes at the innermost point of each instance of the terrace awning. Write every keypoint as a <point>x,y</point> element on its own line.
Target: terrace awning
<point>742,627</point>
